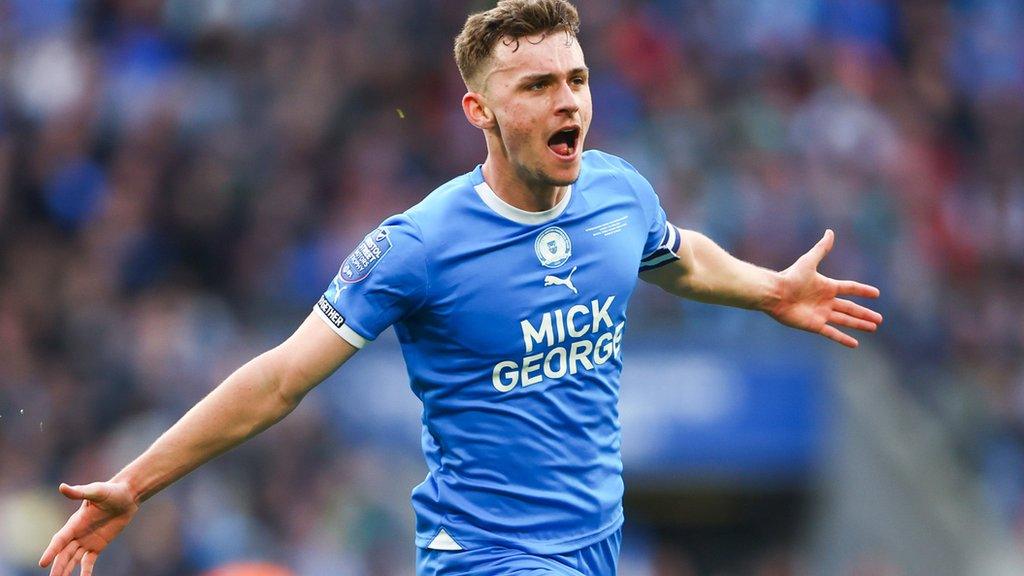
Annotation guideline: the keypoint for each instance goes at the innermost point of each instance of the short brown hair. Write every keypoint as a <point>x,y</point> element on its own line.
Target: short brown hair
<point>511,20</point>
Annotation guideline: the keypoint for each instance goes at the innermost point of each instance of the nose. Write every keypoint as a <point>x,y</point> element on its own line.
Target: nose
<point>566,100</point>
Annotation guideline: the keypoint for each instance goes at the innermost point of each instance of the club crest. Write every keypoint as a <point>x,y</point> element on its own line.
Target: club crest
<point>553,247</point>
<point>365,257</point>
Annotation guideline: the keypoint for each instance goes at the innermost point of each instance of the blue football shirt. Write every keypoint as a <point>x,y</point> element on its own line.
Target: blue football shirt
<point>511,325</point>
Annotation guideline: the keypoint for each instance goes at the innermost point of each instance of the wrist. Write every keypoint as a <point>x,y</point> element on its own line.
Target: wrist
<point>771,295</point>
<point>132,484</point>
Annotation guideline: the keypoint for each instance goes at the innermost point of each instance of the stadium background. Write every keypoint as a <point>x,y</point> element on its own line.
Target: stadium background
<point>180,179</point>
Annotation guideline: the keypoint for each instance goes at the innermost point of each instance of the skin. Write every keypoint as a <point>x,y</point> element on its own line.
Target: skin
<point>524,97</point>
<point>532,89</point>
<point>256,396</point>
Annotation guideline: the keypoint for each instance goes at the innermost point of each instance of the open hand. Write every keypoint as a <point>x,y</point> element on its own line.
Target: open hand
<point>107,507</point>
<point>810,301</point>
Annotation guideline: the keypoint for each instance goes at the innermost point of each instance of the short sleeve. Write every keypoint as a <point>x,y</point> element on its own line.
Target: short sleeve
<point>663,238</point>
<point>662,243</point>
<point>382,281</point>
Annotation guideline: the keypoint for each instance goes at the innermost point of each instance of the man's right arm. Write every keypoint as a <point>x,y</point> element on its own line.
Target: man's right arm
<point>253,398</point>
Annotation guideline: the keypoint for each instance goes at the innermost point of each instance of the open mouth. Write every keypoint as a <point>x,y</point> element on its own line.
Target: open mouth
<point>564,142</point>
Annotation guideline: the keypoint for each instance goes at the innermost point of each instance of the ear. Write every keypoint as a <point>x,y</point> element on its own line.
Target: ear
<point>474,105</point>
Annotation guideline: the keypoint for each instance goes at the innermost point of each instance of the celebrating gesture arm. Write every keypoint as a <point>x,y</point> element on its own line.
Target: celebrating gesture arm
<point>799,296</point>
<point>257,395</point>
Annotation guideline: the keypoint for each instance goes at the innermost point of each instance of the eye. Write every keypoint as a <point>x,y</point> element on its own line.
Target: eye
<point>537,86</point>
<point>579,80</point>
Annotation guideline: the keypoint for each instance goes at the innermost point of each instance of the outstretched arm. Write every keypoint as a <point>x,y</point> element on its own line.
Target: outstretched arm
<point>257,395</point>
<point>798,296</point>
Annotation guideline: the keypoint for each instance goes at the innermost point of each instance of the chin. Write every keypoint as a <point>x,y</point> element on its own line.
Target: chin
<point>561,181</point>
<point>562,177</point>
<point>566,179</point>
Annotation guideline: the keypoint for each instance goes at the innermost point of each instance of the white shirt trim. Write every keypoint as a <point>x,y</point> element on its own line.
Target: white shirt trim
<point>519,215</point>
<point>443,541</point>
<point>347,334</point>
<point>660,260</point>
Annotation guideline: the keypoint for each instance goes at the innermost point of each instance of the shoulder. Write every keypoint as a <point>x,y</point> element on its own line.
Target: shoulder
<point>412,229</point>
<point>438,209</point>
<point>603,161</point>
<point>600,166</point>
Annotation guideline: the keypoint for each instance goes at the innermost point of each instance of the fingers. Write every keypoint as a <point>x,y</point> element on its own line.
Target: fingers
<point>856,310</point>
<point>849,315</point>
<point>73,492</point>
<point>63,559</point>
<point>840,319</point>
<point>851,288</point>
<point>59,541</point>
<point>832,333</point>
<point>62,540</point>
<point>95,492</point>
<point>69,570</point>
<point>88,563</point>
<point>822,248</point>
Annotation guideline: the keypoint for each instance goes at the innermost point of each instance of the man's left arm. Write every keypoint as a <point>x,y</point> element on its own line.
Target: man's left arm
<point>798,296</point>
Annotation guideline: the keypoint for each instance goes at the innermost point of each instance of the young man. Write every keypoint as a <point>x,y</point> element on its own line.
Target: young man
<point>508,289</point>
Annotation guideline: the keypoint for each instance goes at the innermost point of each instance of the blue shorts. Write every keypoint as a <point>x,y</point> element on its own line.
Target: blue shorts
<point>599,559</point>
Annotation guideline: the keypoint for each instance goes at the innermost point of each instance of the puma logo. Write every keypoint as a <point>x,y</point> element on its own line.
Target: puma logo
<point>556,281</point>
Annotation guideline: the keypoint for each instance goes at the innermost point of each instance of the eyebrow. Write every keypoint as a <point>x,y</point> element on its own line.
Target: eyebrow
<point>550,76</point>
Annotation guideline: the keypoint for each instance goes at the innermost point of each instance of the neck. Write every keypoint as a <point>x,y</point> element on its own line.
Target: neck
<point>515,191</point>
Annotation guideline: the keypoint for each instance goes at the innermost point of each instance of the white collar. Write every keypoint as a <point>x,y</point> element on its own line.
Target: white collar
<point>518,214</point>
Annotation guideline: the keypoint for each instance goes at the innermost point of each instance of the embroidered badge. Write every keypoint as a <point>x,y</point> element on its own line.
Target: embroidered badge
<point>365,257</point>
<point>553,247</point>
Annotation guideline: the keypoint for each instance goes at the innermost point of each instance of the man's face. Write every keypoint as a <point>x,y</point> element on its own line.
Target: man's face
<point>539,92</point>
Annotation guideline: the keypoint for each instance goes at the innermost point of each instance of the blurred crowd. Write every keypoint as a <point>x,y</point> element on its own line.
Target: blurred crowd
<point>179,180</point>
